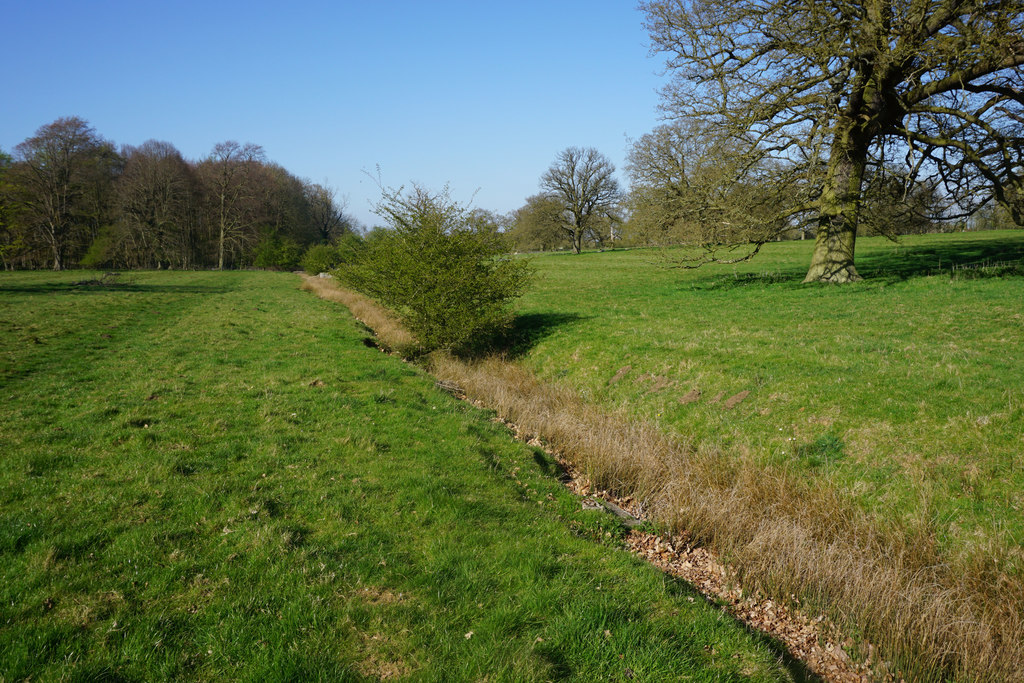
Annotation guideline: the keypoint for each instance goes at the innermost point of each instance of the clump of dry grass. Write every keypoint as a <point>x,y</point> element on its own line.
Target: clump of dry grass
<point>389,331</point>
<point>935,618</point>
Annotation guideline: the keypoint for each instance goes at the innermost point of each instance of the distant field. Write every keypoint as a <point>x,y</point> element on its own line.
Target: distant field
<point>904,390</point>
<point>210,476</point>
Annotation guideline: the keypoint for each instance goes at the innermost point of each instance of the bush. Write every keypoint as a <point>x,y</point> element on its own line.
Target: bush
<point>100,252</point>
<point>323,258</point>
<point>452,285</point>
<point>277,253</point>
<point>320,258</point>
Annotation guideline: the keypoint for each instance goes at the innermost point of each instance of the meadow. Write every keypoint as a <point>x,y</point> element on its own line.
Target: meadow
<point>215,476</point>
<point>904,390</point>
<point>855,449</point>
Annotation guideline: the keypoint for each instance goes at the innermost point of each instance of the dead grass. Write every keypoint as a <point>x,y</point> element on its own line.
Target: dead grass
<point>933,618</point>
<point>784,536</point>
<point>386,327</point>
<point>380,660</point>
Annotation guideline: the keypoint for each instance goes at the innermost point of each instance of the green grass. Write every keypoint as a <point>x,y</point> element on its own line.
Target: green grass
<point>904,389</point>
<point>210,476</point>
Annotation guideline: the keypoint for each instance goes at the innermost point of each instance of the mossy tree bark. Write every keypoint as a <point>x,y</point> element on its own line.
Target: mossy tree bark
<point>833,259</point>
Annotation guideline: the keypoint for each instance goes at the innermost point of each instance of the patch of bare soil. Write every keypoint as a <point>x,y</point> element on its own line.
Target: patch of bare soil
<point>735,400</point>
<point>692,396</point>
<point>657,382</point>
<point>623,371</point>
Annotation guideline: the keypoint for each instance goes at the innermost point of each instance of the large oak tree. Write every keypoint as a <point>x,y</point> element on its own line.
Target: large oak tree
<point>583,182</point>
<point>834,88</point>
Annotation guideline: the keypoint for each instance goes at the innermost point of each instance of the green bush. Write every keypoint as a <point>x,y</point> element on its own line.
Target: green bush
<point>451,284</point>
<point>277,253</point>
<point>323,258</point>
<point>100,252</point>
<point>320,258</point>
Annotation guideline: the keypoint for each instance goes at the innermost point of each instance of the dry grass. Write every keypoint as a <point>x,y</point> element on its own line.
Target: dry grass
<point>783,536</point>
<point>932,618</point>
<point>389,331</point>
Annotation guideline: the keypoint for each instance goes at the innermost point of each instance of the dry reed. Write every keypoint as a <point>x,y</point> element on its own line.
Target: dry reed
<point>785,536</point>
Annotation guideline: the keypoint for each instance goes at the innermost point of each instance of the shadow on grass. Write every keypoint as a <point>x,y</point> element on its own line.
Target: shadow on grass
<point>792,276</point>
<point>946,255</point>
<point>89,288</point>
<point>968,255</point>
<point>529,329</point>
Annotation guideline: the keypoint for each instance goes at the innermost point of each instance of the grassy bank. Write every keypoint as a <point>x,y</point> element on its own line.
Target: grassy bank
<point>903,390</point>
<point>211,476</point>
<point>856,446</point>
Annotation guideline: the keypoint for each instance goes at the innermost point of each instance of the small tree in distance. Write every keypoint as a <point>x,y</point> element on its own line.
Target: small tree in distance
<point>451,283</point>
<point>582,182</point>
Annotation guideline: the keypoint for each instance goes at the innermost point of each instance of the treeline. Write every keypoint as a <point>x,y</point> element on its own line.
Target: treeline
<point>71,198</point>
<point>682,190</point>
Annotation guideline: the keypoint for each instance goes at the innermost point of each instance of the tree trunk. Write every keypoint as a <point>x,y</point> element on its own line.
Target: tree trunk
<point>838,213</point>
<point>55,247</point>
<point>220,248</point>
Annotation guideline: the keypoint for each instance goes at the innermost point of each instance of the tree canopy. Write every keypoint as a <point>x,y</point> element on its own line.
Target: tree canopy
<point>582,182</point>
<point>69,198</point>
<point>828,90</point>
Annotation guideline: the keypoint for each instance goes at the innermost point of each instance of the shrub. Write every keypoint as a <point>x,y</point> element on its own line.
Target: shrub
<point>277,253</point>
<point>450,283</point>
<point>100,252</point>
<point>320,258</point>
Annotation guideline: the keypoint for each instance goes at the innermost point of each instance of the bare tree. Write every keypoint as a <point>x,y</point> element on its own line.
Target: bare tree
<point>327,212</point>
<point>582,182</point>
<point>156,200</point>
<point>691,186</point>
<point>62,172</point>
<point>833,88</point>
<point>228,177</point>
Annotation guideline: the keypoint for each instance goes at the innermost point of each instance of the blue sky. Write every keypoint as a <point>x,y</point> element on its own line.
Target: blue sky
<point>478,95</point>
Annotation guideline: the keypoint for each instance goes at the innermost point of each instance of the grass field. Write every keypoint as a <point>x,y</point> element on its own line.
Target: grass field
<point>904,390</point>
<point>210,476</point>
<point>854,448</point>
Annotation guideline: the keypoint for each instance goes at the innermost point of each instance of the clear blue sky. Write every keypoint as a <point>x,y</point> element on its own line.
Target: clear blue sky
<point>479,95</point>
